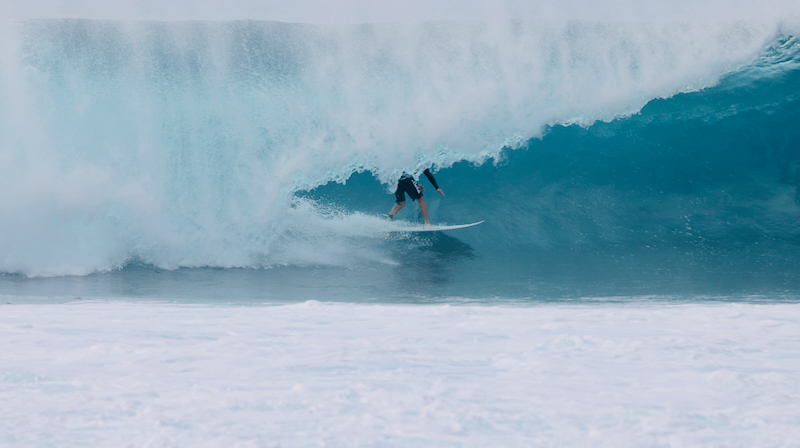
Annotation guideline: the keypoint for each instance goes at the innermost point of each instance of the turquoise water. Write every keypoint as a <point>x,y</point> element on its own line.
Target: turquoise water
<point>252,161</point>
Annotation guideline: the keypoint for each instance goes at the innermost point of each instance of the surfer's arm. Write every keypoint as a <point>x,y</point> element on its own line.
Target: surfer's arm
<point>428,174</point>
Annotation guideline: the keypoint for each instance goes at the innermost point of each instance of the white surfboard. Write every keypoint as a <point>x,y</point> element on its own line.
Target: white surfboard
<point>434,228</point>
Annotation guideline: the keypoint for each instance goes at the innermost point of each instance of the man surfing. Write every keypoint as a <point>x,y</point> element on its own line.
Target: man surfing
<point>407,184</point>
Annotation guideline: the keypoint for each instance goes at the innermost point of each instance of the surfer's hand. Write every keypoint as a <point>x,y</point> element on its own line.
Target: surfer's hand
<point>441,192</point>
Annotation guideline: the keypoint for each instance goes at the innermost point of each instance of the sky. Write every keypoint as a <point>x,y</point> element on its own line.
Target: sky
<point>361,11</point>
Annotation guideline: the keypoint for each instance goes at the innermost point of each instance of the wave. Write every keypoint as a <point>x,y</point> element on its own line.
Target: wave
<point>239,144</point>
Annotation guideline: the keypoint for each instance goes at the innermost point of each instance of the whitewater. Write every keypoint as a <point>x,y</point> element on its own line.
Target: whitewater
<point>193,249</point>
<point>315,374</point>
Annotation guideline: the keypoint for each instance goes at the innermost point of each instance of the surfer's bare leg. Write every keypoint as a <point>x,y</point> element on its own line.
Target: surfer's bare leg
<point>423,208</point>
<point>395,209</point>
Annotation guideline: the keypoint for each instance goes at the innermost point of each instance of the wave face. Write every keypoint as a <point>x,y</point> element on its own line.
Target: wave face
<point>265,144</point>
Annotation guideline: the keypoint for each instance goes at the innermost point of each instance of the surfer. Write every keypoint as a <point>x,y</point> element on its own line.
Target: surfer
<point>407,184</point>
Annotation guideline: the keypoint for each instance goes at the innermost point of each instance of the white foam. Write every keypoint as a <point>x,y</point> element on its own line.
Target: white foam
<point>114,374</point>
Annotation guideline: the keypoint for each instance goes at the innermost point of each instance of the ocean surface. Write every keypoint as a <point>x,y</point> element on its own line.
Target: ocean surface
<point>194,252</point>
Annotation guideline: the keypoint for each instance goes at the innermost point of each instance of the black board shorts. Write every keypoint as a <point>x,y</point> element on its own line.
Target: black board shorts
<point>410,186</point>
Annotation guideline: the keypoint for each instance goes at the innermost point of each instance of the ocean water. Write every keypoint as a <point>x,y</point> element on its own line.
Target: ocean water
<point>193,249</point>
